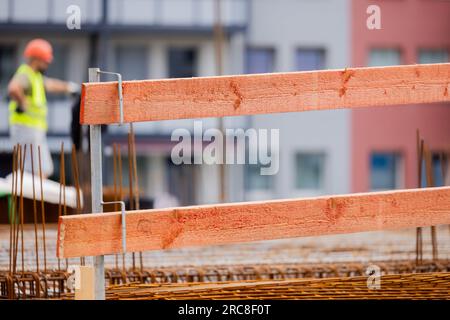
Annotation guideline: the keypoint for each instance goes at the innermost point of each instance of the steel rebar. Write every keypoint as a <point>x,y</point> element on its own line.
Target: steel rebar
<point>42,210</point>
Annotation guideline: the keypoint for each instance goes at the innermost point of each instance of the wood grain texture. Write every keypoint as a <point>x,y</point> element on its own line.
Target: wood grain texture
<point>98,234</point>
<point>152,100</point>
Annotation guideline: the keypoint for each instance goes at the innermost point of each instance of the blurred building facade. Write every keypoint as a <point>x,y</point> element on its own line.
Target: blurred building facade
<point>384,148</point>
<point>141,39</point>
<point>320,152</point>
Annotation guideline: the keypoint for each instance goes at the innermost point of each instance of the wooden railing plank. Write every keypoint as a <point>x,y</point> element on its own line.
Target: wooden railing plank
<point>98,234</point>
<point>171,99</point>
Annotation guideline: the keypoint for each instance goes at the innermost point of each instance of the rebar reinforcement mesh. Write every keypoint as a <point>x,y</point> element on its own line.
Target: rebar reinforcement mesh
<point>435,285</point>
<point>53,284</point>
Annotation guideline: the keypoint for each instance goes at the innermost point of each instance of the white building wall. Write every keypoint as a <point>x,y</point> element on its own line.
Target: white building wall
<point>285,26</point>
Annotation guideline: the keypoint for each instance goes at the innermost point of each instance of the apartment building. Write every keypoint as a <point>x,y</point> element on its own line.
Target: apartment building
<point>141,40</point>
<point>314,146</point>
<point>174,38</point>
<point>321,152</point>
<point>383,143</point>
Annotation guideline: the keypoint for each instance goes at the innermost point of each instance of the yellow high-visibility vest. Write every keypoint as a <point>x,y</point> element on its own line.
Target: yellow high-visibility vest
<point>36,114</point>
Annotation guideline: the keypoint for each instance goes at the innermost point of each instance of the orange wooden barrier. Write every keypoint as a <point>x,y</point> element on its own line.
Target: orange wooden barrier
<point>99,234</point>
<point>171,99</point>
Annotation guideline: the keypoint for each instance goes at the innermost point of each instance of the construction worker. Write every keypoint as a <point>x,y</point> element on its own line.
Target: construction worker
<point>28,106</point>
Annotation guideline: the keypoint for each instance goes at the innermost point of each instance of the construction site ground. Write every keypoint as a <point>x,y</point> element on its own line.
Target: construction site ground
<point>367,247</point>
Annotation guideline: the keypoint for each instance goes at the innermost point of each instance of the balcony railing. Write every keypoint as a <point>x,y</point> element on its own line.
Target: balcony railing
<point>157,13</point>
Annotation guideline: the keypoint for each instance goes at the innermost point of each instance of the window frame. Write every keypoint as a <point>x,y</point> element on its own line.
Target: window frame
<point>401,55</point>
<point>196,65</point>
<point>140,45</point>
<point>399,182</point>
<point>15,63</point>
<point>259,48</point>
<point>321,49</point>
<point>422,49</point>
<point>323,185</point>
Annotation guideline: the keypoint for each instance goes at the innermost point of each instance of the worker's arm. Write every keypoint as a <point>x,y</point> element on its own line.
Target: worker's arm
<point>16,92</point>
<point>59,86</point>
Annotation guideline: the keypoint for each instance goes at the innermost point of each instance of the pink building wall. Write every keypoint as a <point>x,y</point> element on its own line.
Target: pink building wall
<point>408,25</point>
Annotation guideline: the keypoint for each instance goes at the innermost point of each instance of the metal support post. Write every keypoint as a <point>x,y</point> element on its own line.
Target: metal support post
<point>97,192</point>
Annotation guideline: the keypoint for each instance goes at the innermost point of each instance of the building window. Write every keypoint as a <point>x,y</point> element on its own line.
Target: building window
<point>259,60</point>
<point>179,182</point>
<point>131,62</point>
<point>439,164</point>
<point>310,171</point>
<point>182,62</point>
<point>310,59</point>
<point>385,171</point>
<point>58,69</point>
<point>384,57</point>
<point>57,168</point>
<point>433,55</point>
<point>254,180</point>
<point>8,66</point>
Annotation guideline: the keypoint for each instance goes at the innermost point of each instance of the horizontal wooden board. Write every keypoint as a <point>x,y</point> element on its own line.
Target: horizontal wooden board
<point>100,233</point>
<point>170,99</point>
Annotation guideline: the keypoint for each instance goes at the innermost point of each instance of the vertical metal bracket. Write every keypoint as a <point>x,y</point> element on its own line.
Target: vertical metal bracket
<point>119,89</point>
<point>122,204</point>
<point>124,225</point>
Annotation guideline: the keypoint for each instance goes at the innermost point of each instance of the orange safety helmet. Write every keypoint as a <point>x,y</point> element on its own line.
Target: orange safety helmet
<point>39,48</point>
